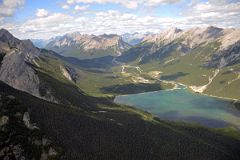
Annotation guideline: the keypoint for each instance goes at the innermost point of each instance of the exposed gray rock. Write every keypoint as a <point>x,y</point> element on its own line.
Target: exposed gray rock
<point>224,43</point>
<point>17,73</point>
<point>16,68</point>
<point>52,152</point>
<point>45,142</point>
<point>72,73</point>
<point>11,97</point>
<point>17,151</point>
<point>27,122</point>
<point>4,120</point>
<point>227,57</point>
<point>88,44</point>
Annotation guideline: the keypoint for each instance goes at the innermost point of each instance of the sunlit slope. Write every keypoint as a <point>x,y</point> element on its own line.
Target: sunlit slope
<point>210,65</point>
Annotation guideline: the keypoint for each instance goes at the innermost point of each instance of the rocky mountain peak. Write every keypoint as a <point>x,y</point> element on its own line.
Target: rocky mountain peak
<point>7,37</point>
<point>73,34</point>
<point>167,36</point>
<point>28,44</point>
<point>172,30</point>
<point>231,36</point>
<point>109,36</point>
<point>14,69</point>
<point>213,32</point>
<point>87,45</point>
<point>196,36</point>
<point>213,29</point>
<point>4,32</point>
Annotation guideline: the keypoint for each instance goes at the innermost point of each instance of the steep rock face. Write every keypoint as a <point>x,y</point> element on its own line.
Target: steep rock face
<point>191,37</point>
<point>165,37</point>
<point>6,37</point>
<point>227,51</point>
<point>69,72</point>
<point>197,36</point>
<point>231,36</point>
<point>39,72</point>
<point>88,46</point>
<point>227,57</point>
<point>15,66</point>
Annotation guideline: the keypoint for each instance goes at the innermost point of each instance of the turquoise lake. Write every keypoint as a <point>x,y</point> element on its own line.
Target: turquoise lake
<point>184,105</point>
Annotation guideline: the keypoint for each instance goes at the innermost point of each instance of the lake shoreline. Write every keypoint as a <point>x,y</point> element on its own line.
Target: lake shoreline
<point>176,87</point>
<point>183,104</point>
<point>192,89</point>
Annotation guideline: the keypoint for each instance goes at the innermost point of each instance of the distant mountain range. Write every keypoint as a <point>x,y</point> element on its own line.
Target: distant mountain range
<point>135,38</point>
<point>84,46</point>
<point>88,46</point>
<point>40,43</point>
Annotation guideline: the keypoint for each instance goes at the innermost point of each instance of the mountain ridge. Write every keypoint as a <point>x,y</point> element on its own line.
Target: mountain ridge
<point>88,46</point>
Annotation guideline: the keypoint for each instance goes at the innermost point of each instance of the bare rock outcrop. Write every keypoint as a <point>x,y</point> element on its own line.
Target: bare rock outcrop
<point>16,68</point>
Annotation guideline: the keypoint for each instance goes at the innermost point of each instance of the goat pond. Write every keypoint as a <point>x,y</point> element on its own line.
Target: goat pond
<point>183,105</point>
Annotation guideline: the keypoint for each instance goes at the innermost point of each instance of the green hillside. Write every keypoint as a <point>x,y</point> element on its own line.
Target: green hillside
<point>190,69</point>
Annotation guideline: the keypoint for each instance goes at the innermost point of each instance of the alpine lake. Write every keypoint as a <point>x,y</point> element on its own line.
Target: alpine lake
<point>183,105</point>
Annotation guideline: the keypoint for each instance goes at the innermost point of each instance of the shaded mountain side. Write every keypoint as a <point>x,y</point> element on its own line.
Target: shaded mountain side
<point>118,132</point>
<point>19,137</point>
<point>134,53</point>
<point>94,63</point>
<point>63,88</point>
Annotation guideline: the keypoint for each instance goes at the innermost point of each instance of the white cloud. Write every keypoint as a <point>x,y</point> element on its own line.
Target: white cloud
<point>199,14</point>
<point>45,27</point>
<point>81,8</point>
<point>8,7</point>
<point>65,6</point>
<point>103,22</point>
<point>131,4</point>
<point>41,13</point>
<point>220,13</point>
<point>159,2</point>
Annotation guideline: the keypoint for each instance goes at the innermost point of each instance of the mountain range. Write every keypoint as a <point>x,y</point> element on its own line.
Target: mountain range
<point>191,57</point>
<point>88,46</point>
<point>58,103</point>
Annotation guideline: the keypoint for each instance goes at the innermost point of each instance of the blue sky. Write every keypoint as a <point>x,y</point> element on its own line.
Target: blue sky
<point>48,18</point>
